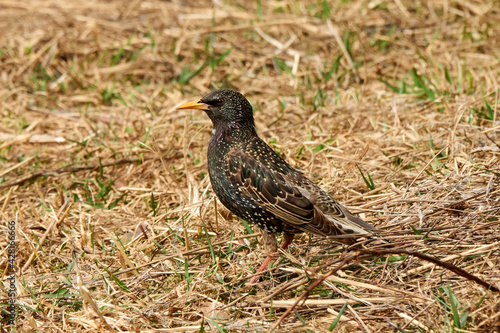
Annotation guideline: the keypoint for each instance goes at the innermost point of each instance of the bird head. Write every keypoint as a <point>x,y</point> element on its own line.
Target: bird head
<point>225,107</point>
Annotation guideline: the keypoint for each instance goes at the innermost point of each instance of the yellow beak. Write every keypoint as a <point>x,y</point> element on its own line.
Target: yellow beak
<point>194,105</point>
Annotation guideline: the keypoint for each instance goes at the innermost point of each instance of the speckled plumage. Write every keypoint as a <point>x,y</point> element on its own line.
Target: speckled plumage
<point>257,185</point>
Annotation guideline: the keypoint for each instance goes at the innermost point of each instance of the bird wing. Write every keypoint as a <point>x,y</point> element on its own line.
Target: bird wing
<point>333,210</point>
<point>292,198</point>
<point>269,188</point>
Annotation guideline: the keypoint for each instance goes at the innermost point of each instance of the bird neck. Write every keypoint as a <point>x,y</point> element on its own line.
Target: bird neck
<point>233,131</point>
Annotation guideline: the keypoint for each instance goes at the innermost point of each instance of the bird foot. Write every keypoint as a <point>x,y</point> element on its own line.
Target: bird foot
<point>288,239</point>
<point>255,278</point>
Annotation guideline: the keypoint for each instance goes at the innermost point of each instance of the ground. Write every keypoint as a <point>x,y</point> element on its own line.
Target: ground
<point>391,106</point>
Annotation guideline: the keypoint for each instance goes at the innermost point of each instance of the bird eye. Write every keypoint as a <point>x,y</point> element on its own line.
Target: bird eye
<point>220,102</point>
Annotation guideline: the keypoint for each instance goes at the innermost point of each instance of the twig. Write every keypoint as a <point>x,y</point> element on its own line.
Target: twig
<point>425,167</point>
<point>451,205</point>
<point>496,144</point>
<point>16,166</point>
<point>448,266</point>
<point>355,255</point>
<point>86,293</point>
<point>313,285</point>
<point>227,28</point>
<point>40,242</point>
<point>64,170</point>
<point>286,286</point>
<point>185,253</point>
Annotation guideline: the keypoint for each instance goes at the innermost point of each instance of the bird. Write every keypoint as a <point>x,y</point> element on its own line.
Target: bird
<point>253,182</point>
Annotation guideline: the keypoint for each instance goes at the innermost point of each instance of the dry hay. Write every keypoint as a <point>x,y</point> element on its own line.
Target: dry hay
<point>107,180</point>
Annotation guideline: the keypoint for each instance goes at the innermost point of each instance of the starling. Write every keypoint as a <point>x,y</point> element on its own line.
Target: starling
<point>257,185</point>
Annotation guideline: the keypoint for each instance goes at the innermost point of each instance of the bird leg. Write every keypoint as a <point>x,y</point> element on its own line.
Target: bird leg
<point>272,249</point>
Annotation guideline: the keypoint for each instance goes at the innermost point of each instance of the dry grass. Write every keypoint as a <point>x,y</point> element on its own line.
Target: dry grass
<point>107,180</point>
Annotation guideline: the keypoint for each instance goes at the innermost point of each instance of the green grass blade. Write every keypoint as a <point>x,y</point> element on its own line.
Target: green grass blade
<point>216,324</point>
<point>245,223</point>
<point>454,306</point>
<point>336,321</point>
<point>210,246</point>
